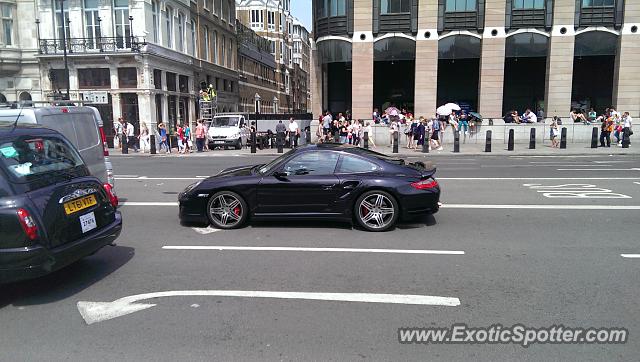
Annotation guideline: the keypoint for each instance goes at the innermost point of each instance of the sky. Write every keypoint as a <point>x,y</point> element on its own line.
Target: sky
<point>301,9</point>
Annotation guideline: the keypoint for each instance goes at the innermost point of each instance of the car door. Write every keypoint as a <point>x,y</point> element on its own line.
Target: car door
<point>353,173</point>
<point>305,185</point>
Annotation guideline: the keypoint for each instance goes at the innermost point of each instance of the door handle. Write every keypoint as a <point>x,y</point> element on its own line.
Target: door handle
<point>328,187</point>
<point>350,185</point>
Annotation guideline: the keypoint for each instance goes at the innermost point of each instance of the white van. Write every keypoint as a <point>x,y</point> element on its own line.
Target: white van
<point>228,130</point>
<point>82,126</point>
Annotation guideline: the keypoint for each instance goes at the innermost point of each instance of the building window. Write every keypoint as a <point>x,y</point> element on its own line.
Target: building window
<point>168,22</point>
<point>215,47</point>
<point>222,50</point>
<point>157,79</point>
<point>155,11</point>
<point>61,23</point>
<point>256,19</point>
<point>217,7</point>
<point>183,81</point>
<point>94,78</point>
<point>282,21</point>
<point>92,30</point>
<point>232,14</point>
<point>171,82</point>
<point>225,10</point>
<point>205,4</point>
<point>460,5</point>
<point>230,54</point>
<point>597,3</point>
<point>193,37</point>
<point>271,20</point>
<point>122,25</point>
<point>128,77</point>
<point>7,24</point>
<point>528,4</point>
<point>180,35</point>
<point>205,39</point>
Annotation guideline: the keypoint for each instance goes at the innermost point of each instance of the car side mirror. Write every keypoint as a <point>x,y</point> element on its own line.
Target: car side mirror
<point>301,171</point>
<point>280,174</point>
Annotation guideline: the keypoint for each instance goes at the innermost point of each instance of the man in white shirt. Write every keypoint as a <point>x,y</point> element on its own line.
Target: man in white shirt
<point>294,132</point>
<point>529,117</point>
<point>627,123</point>
<point>131,137</point>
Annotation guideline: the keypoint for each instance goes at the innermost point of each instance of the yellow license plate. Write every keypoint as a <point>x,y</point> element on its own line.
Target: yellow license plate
<point>79,204</point>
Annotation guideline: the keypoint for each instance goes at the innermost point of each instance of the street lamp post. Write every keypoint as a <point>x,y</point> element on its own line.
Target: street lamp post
<point>38,34</point>
<point>64,45</point>
<point>130,31</point>
<point>99,40</point>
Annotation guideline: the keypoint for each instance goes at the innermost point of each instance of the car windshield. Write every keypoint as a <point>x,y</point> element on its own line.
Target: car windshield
<point>224,122</point>
<point>269,166</point>
<point>28,158</point>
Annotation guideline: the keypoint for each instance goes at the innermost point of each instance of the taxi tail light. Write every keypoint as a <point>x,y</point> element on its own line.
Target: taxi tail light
<point>28,224</point>
<point>105,148</point>
<point>425,184</point>
<point>112,196</point>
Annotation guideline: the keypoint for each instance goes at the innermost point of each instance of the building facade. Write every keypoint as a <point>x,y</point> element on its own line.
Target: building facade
<point>488,55</point>
<point>19,71</point>
<point>272,20</point>
<point>143,60</point>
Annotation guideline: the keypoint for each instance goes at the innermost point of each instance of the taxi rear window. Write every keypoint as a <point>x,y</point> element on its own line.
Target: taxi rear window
<point>28,158</point>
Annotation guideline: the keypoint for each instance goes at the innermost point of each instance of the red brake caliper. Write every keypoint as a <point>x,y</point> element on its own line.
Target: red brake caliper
<point>236,210</point>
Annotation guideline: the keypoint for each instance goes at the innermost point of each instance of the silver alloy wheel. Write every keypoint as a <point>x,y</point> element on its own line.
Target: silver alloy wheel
<point>226,210</point>
<point>376,211</point>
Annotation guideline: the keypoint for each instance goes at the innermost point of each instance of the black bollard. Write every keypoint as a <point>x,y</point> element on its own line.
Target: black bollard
<point>594,137</point>
<point>490,121</point>
<point>425,142</point>
<point>456,141</point>
<point>365,139</point>
<point>487,145</point>
<point>625,137</point>
<point>280,142</point>
<point>510,144</point>
<point>563,138</point>
<point>532,139</point>
<point>308,133</point>
<point>152,144</point>
<point>395,142</point>
<point>125,146</point>
<point>253,142</point>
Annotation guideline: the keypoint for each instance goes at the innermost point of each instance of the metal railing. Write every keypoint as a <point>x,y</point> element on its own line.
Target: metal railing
<point>91,45</point>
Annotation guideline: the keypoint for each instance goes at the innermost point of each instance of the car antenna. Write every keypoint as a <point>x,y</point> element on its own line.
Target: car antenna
<point>15,123</point>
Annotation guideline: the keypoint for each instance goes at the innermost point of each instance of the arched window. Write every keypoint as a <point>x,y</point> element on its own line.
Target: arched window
<point>180,35</point>
<point>168,22</point>
<point>214,46</point>
<point>205,37</point>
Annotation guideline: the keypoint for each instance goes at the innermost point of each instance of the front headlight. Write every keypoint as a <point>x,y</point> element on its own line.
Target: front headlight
<point>192,186</point>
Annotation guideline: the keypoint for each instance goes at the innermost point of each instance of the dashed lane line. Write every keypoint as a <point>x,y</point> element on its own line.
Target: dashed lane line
<point>299,249</point>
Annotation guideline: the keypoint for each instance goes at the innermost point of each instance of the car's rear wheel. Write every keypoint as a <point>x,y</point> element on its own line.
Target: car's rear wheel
<point>376,210</point>
<point>227,210</point>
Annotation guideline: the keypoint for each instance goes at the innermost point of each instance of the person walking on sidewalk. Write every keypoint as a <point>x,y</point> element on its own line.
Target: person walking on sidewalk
<point>627,124</point>
<point>605,131</point>
<point>187,139</point>
<point>164,139</point>
<point>180,137</point>
<point>200,136</point>
<point>117,135</point>
<point>553,132</point>
<point>144,138</point>
<point>294,132</point>
<point>435,135</point>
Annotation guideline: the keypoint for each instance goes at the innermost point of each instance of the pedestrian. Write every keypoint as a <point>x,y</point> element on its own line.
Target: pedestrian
<point>164,141</point>
<point>294,133</point>
<point>200,136</point>
<point>591,116</point>
<point>369,130</point>
<point>453,122</point>
<point>188,145</point>
<point>118,131</point>
<point>326,123</point>
<point>419,132</point>
<point>393,131</point>
<point>605,131</point>
<point>553,132</point>
<point>411,132</point>
<point>281,130</point>
<point>343,131</point>
<point>180,137</point>
<point>144,138</point>
<point>435,135</point>
<point>131,137</point>
<point>627,131</point>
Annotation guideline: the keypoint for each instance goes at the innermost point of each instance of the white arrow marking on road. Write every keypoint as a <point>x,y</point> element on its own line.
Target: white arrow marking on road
<point>286,248</point>
<point>94,312</point>
<point>630,255</point>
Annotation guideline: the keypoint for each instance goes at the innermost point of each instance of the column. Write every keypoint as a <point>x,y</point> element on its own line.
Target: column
<point>426,81</point>
<point>115,92</point>
<point>626,88</point>
<point>491,82</point>
<point>362,60</point>
<point>315,82</point>
<point>560,60</point>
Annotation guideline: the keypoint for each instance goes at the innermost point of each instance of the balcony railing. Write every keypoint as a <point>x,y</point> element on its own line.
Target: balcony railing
<point>91,45</point>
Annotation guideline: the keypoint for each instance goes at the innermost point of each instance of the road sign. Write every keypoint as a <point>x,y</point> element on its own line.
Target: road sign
<point>95,97</point>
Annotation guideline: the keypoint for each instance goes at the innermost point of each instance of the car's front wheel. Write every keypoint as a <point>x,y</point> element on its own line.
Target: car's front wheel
<point>376,210</point>
<point>227,210</point>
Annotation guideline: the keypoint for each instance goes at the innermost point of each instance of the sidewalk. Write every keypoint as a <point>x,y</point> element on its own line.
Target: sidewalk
<point>474,149</point>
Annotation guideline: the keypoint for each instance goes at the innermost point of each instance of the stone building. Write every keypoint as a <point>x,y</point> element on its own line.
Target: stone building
<point>488,55</point>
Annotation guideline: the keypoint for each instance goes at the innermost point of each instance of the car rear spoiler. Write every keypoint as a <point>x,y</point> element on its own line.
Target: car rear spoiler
<point>426,169</point>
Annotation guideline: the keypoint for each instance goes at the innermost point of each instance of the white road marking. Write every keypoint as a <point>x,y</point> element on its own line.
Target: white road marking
<point>94,312</point>
<point>575,191</point>
<point>286,248</point>
<point>598,169</point>
<point>204,231</point>
<point>543,207</point>
<point>158,178</point>
<point>463,206</point>
<point>637,183</point>
<point>533,178</point>
<point>632,256</point>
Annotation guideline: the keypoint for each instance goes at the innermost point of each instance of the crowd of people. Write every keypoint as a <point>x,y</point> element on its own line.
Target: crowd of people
<point>612,122</point>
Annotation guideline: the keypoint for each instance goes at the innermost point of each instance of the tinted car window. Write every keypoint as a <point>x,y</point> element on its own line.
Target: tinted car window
<point>312,163</point>
<point>28,158</point>
<point>351,164</point>
<point>86,131</point>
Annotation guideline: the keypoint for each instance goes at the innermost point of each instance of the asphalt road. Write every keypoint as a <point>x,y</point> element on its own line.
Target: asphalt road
<point>541,237</point>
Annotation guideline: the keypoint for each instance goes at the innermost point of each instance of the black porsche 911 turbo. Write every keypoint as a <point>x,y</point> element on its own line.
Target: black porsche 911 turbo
<point>324,181</point>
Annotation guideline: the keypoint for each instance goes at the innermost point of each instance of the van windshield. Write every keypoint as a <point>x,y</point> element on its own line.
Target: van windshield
<point>28,158</point>
<point>224,122</point>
